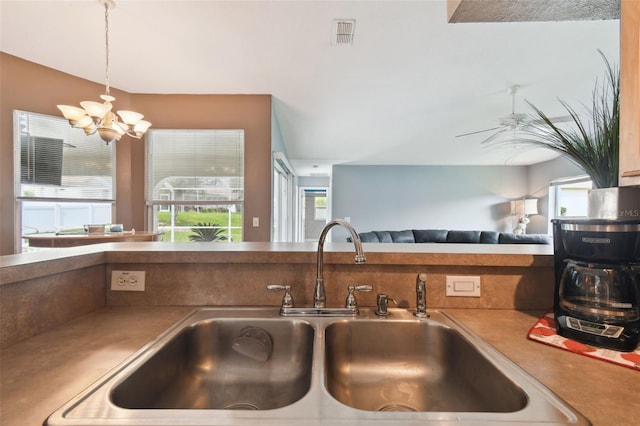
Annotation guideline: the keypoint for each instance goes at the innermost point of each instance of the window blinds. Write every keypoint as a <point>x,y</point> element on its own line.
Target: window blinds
<point>57,161</point>
<point>195,166</point>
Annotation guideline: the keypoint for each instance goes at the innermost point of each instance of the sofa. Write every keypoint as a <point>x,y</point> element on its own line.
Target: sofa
<point>447,236</point>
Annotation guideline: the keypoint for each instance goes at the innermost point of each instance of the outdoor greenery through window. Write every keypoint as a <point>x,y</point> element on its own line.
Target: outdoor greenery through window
<point>64,179</point>
<point>320,210</point>
<point>195,184</point>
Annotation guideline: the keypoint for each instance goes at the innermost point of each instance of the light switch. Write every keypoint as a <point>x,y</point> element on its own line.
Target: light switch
<point>256,222</point>
<point>463,286</point>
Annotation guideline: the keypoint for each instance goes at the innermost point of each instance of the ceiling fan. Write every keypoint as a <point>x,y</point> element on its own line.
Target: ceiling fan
<point>512,122</point>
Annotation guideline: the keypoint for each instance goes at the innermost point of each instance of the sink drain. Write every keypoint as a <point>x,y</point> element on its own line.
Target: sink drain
<point>396,407</point>
<point>241,406</point>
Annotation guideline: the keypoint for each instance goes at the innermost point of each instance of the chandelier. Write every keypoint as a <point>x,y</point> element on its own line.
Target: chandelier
<point>97,117</point>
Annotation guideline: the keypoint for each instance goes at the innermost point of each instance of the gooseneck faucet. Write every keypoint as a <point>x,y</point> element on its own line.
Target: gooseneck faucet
<point>319,295</point>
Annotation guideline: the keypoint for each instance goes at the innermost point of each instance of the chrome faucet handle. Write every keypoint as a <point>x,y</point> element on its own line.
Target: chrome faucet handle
<point>421,296</point>
<point>287,299</point>
<point>383,304</point>
<point>351,301</point>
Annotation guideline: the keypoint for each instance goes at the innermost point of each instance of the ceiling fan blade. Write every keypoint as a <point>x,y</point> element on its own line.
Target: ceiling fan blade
<point>494,136</point>
<point>515,121</point>
<point>479,131</point>
<point>559,119</point>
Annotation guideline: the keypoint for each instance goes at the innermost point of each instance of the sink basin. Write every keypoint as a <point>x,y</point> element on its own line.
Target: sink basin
<point>413,366</point>
<point>233,366</point>
<point>199,368</point>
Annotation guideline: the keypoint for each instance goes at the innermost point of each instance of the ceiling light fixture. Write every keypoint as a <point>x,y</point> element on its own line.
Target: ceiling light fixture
<point>97,117</point>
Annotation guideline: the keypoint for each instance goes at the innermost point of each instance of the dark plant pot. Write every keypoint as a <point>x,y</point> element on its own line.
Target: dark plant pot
<point>614,203</point>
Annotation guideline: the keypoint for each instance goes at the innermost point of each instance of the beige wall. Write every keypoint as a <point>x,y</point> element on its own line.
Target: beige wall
<point>30,87</point>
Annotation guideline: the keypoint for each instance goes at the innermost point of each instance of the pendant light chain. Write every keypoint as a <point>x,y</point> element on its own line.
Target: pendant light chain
<point>98,117</point>
<point>106,42</point>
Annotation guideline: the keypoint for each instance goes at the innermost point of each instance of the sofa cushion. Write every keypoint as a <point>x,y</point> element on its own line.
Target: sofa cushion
<point>430,235</point>
<point>402,236</point>
<point>489,237</point>
<point>384,236</point>
<point>510,238</point>
<point>367,237</point>
<point>463,237</point>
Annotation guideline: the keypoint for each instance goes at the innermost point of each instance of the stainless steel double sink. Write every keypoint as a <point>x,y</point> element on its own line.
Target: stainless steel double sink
<point>247,366</point>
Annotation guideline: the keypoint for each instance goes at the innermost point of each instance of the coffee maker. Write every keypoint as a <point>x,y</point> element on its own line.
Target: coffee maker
<point>597,281</point>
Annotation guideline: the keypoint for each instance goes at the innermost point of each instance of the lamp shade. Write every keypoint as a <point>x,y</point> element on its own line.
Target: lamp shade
<point>72,113</point>
<point>130,117</point>
<point>96,109</point>
<point>526,206</point>
<point>84,122</point>
<point>530,206</point>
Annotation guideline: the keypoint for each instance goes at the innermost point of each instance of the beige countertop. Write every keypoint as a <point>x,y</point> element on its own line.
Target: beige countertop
<point>19,267</point>
<point>43,372</point>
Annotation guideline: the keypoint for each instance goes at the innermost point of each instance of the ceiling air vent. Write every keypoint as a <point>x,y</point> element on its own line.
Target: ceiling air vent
<point>342,32</point>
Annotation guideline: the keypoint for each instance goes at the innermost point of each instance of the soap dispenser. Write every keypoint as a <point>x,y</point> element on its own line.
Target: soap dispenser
<point>383,304</point>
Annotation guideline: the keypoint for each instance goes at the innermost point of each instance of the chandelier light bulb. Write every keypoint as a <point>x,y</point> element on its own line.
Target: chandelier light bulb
<point>97,117</point>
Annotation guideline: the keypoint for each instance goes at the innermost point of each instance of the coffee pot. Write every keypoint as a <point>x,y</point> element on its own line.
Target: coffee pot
<point>597,273</point>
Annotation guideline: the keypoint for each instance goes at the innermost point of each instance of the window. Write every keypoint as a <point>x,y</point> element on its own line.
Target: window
<point>320,210</point>
<point>569,197</point>
<point>64,179</point>
<point>314,213</point>
<point>195,184</point>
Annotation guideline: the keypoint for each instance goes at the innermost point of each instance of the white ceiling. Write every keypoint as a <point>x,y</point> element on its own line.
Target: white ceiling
<point>399,94</point>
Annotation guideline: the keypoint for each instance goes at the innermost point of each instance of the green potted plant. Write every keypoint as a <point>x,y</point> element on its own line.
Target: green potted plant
<point>592,145</point>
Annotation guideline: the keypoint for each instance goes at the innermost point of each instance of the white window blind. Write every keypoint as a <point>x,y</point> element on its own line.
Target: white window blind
<point>195,166</point>
<point>55,161</point>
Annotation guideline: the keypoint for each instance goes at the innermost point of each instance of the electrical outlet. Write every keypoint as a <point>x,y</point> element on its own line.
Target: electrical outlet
<point>127,280</point>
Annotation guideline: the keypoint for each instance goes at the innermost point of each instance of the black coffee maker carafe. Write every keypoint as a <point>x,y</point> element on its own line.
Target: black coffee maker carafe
<point>597,274</point>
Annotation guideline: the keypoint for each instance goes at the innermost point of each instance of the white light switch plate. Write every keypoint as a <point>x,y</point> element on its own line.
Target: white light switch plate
<point>463,286</point>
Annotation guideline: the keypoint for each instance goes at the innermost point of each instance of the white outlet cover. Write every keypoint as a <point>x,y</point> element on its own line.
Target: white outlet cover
<point>127,280</point>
